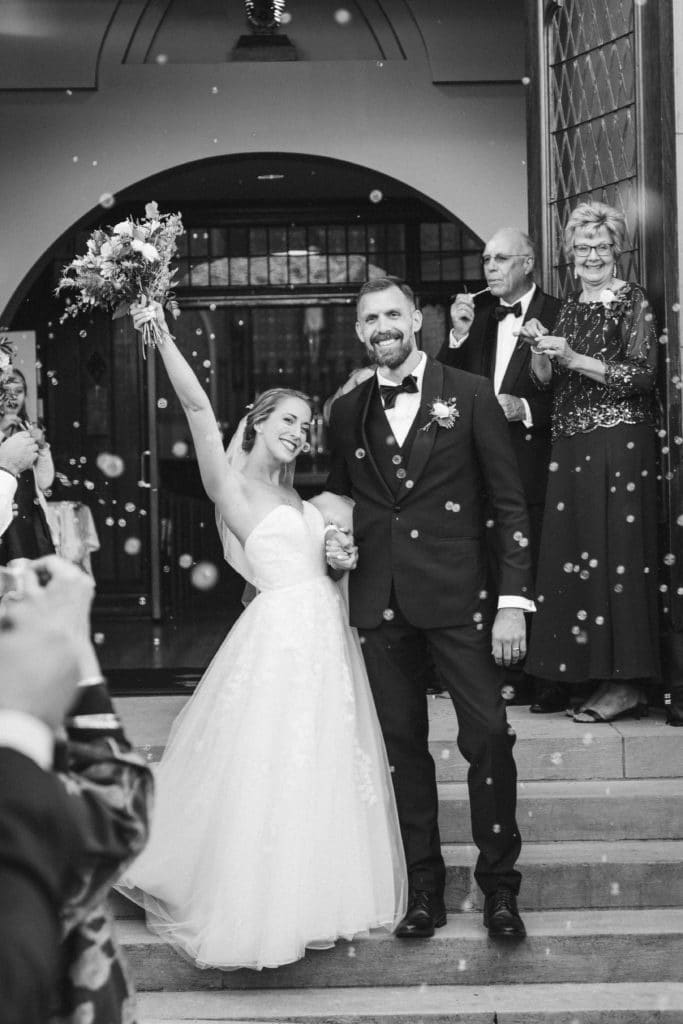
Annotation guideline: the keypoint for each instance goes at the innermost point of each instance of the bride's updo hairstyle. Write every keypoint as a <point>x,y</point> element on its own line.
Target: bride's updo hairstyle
<point>264,405</point>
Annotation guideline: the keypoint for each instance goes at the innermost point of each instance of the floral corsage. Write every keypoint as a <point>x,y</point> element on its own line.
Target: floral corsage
<point>615,303</point>
<point>443,412</point>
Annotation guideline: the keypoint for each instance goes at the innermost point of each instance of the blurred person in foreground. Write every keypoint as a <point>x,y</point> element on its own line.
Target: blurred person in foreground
<point>597,629</point>
<point>102,792</point>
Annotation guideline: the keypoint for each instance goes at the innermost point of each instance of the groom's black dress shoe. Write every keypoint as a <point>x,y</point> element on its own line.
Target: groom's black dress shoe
<point>501,915</point>
<point>426,911</point>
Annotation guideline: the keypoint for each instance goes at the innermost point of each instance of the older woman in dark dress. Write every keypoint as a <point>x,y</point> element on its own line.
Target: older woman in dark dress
<point>597,619</point>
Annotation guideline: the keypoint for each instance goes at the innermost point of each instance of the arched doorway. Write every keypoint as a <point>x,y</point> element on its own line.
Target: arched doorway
<point>275,250</point>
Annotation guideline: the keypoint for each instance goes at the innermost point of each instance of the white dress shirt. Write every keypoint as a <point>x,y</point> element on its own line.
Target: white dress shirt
<point>401,418</point>
<point>506,342</point>
<point>27,735</point>
<point>402,414</point>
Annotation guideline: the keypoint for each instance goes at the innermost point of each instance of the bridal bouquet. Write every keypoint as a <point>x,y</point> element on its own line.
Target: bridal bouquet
<point>126,265</point>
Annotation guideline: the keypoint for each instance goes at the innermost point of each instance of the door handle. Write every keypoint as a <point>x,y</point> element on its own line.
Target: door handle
<point>143,480</point>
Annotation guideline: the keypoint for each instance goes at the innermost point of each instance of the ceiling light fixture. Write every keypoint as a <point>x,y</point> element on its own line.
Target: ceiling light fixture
<point>264,15</point>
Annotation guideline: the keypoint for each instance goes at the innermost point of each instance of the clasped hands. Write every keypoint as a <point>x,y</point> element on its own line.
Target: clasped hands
<point>341,554</point>
<point>545,344</point>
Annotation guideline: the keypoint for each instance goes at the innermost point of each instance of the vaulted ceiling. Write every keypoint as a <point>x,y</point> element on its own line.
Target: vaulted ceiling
<point>64,44</point>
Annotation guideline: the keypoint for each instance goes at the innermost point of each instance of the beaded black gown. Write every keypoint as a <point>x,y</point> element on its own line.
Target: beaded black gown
<point>597,614</point>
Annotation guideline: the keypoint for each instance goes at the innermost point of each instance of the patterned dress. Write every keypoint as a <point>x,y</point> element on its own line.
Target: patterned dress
<point>111,790</point>
<point>597,615</point>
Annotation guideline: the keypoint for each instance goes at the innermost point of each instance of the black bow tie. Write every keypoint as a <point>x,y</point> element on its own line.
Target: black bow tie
<point>390,392</point>
<point>500,312</point>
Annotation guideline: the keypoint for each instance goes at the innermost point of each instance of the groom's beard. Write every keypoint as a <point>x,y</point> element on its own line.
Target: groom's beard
<point>395,355</point>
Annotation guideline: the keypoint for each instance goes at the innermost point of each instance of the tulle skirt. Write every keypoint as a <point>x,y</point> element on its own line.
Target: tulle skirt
<point>275,827</point>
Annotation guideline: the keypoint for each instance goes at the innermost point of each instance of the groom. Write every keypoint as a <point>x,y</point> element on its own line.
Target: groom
<point>416,446</point>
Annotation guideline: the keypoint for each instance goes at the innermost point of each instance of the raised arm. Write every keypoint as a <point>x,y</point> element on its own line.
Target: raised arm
<point>201,418</point>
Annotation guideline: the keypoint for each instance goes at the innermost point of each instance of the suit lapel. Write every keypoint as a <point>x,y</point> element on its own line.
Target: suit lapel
<point>365,400</point>
<point>489,346</point>
<point>432,388</point>
<point>519,359</point>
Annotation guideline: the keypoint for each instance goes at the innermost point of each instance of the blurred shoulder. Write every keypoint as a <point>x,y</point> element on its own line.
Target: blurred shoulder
<point>350,400</point>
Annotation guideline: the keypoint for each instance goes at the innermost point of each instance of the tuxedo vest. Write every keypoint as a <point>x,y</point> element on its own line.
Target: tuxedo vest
<point>390,457</point>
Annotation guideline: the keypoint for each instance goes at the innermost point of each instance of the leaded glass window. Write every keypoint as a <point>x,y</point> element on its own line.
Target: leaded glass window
<point>593,151</point>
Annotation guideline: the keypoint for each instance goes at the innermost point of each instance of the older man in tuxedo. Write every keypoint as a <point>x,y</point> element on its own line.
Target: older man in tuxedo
<point>415,446</point>
<point>484,340</point>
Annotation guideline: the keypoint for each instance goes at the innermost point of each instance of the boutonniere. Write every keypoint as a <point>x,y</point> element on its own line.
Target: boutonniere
<point>444,412</point>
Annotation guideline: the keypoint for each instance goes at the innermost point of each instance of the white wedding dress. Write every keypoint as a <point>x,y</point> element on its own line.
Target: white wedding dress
<point>275,827</point>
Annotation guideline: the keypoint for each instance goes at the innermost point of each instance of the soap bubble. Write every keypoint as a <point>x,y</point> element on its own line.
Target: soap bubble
<point>110,465</point>
<point>204,576</point>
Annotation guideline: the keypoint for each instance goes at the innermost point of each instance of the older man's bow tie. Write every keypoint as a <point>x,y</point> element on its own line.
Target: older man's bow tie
<point>500,312</point>
<point>390,392</point>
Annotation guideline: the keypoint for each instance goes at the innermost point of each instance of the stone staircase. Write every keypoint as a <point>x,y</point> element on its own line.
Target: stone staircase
<point>601,814</point>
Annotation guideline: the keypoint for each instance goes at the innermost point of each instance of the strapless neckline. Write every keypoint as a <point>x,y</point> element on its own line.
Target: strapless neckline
<point>273,510</point>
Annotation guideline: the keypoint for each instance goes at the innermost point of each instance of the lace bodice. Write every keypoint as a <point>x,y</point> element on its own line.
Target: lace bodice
<point>286,548</point>
<point>623,335</point>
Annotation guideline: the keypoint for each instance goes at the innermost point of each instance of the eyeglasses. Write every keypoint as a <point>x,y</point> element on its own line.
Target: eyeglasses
<point>601,249</point>
<point>502,258</point>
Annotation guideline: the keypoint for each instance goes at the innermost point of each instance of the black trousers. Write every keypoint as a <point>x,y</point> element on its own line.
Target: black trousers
<point>394,655</point>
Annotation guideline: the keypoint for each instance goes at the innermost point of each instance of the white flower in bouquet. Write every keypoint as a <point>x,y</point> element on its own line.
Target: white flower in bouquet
<point>125,266</point>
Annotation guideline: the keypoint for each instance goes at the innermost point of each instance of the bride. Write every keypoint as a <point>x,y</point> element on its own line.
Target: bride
<point>275,828</point>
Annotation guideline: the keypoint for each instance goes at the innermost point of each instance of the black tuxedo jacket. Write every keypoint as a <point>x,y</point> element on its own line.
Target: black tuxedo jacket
<point>38,841</point>
<point>425,533</point>
<point>477,354</point>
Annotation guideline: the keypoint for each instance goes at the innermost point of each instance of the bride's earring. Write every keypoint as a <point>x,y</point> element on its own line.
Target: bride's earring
<point>305,447</point>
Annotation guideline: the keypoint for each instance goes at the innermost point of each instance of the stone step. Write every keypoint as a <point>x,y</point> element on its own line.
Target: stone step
<point>610,809</point>
<point>548,746</point>
<point>561,876</point>
<point>590,946</point>
<point>575,875</point>
<point>626,1003</point>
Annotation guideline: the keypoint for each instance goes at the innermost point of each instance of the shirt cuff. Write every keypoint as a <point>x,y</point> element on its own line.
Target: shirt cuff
<point>510,601</point>
<point>454,342</point>
<point>28,735</point>
<point>528,420</point>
